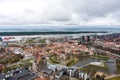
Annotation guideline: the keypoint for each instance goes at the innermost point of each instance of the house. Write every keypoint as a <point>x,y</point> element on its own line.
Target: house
<point>47,71</point>
<point>71,72</point>
<point>59,75</point>
<point>18,74</point>
<point>52,67</point>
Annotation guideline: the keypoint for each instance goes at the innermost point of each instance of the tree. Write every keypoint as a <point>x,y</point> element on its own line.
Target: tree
<point>4,69</point>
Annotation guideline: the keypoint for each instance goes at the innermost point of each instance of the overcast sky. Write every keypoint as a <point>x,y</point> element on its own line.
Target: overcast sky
<point>60,12</point>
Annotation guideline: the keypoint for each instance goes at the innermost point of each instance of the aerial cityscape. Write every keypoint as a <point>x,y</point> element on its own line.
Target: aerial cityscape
<point>59,40</point>
<point>77,56</point>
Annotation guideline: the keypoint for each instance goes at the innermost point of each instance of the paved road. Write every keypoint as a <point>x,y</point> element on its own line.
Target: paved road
<point>107,52</point>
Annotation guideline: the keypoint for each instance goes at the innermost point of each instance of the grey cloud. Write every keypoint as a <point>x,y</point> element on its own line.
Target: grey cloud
<point>94,7</point>
<point>63,12</point>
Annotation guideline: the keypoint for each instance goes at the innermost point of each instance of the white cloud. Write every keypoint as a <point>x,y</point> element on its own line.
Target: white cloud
<point>59,12</point>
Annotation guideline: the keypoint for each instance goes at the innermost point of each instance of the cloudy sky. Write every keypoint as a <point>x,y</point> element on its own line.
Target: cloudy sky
<point>59,12</point>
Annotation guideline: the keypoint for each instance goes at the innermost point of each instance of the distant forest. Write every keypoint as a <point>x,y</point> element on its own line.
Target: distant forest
<point>45,33</point>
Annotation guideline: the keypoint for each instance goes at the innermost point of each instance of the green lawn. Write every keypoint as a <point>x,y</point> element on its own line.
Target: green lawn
<point>22,64</point>
<point>72,61</point>
<point>90,68</point>
<point>53,60</point>
<point>27,60</point>
<point>100,57</point>
<point>115,78</point>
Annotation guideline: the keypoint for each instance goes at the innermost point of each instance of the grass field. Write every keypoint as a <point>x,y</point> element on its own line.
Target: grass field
<point>115,78</point>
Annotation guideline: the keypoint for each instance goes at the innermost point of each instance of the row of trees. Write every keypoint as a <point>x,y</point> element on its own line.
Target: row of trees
<point>72,61</point>
<point>118,65</point>
<point>11,58</point>
<point>12,67</point>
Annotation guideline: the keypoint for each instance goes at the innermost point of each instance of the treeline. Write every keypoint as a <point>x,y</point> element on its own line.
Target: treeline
<point>44,33</point>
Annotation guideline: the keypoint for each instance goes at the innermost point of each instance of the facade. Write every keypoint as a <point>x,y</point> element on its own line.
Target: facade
<point>18,74</point>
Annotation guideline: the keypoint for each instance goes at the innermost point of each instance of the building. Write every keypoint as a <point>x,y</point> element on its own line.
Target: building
<point>83,38</point>
<point>88,38</point>
<point>0,39</point>
<point>18,74</point>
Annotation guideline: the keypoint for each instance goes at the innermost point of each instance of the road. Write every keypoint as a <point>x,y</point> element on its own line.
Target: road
<point>108,53</point>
